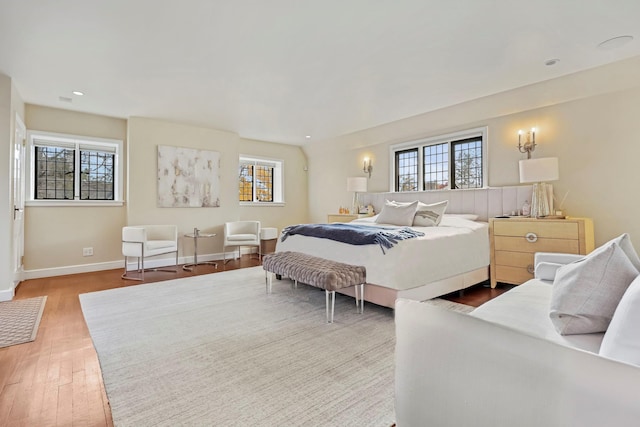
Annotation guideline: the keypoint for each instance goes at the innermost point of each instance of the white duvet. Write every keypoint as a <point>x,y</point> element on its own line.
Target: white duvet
<point>454,247</point>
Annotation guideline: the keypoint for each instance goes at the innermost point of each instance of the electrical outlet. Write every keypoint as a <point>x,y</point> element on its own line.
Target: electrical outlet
<point>87,251</point>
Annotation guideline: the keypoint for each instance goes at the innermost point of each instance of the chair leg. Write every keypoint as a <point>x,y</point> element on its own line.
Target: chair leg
<point>126,276</point>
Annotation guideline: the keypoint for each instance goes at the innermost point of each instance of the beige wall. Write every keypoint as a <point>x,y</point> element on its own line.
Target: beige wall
<point>55,236</point>
<point>589,120</point>
<point>144,137</point>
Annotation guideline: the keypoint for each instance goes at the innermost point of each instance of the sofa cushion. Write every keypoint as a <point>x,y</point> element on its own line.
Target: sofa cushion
<point>526,309</point>
<point>586,292</point>
<point>622,339</point>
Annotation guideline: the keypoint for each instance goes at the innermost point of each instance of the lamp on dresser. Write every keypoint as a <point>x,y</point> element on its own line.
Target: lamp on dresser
<point>539,172</point>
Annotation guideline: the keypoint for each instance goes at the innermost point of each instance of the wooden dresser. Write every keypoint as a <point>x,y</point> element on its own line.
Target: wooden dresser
<point>515,240</point>
<point>341,217</point>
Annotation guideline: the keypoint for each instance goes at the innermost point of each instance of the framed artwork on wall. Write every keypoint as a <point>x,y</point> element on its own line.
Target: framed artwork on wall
<point>188,178</point>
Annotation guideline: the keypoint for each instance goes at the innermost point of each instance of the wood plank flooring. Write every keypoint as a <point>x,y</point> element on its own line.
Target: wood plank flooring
<point>56,379</point>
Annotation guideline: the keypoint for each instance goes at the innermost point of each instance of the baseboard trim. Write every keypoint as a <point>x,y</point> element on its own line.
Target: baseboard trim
<point>112,265</point>
<point>7,294</point>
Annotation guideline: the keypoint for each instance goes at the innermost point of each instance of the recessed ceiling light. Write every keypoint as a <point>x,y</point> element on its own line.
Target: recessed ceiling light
<point>308,136</point>
<point>77,92</point>
<point>550,62</point>
<point>615,42</point>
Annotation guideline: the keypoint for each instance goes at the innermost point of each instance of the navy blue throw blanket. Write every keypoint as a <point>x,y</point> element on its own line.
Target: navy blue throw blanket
<point>354,234</point>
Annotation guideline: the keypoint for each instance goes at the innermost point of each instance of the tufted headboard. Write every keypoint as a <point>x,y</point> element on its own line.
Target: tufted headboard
<point>484,202</point>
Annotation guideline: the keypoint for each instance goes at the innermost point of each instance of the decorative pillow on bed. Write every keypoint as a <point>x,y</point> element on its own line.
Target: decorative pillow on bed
<point>622,339</point>
<point>426,215</point>
<point>397,214</point>
<point>429,215</point>
<point>586,292</point>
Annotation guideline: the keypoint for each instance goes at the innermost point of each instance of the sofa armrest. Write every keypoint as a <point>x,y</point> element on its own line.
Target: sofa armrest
<point>454,369</point>
<point>547,263</point>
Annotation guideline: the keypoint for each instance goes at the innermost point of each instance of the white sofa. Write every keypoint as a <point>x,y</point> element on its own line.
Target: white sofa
<point>505,365</point>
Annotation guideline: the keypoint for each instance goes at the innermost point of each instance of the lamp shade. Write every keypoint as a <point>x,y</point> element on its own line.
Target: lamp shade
<point>539,170</point>
<point>357,184</point>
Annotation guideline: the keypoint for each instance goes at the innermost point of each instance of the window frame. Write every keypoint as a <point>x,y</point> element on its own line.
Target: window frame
<point>78,143</point>
<point>278,179</point>
<point>449,138</point>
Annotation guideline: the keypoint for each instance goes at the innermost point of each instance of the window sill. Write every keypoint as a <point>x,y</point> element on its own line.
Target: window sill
<point>48,203</point>
<point>267,204</point>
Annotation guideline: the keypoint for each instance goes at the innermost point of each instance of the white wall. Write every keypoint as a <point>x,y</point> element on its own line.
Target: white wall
<point>589,120</point>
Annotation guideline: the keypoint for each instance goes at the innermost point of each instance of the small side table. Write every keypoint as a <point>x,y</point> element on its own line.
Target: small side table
<point>195,236</point>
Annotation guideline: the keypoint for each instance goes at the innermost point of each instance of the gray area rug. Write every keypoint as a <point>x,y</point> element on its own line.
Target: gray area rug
<point>451,305</point>
<point>19,320</point>
<point>216,350</point>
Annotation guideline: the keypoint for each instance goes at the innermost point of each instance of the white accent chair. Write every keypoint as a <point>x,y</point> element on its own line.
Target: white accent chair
<point>144,241</point>
<point>241,233</point>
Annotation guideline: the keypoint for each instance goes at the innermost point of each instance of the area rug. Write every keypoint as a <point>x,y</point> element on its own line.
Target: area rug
<point>19,320</point>
<point>451,305</point>
<point>217,350</point>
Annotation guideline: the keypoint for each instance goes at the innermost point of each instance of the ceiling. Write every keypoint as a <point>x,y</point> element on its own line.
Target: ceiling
<point>279,70</point>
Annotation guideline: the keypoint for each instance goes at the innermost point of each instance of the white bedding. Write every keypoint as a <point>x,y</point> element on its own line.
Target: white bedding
<point>456,246</point>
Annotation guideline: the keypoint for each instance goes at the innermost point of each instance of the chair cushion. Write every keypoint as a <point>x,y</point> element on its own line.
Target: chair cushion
<point>241,237</point>
<point>160,244</point>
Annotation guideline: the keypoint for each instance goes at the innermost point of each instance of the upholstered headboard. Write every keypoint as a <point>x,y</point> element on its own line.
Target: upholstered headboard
<point>484,202</point>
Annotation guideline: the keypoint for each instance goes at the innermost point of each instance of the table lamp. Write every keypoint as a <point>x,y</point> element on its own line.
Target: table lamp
<point>357,185</point>
<point>538,171</point>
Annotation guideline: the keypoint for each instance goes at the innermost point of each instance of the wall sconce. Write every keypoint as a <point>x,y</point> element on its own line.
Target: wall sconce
<point>529,143</point>
<point>367,168</point>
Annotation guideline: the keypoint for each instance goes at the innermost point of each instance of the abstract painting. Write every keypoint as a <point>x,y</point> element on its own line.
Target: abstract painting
<point>188,178</point>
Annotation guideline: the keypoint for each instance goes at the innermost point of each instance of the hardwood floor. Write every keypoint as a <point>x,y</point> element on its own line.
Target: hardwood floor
<point>56,379</point>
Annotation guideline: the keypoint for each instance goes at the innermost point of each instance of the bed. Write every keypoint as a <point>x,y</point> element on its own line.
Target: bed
<point>450,257</point>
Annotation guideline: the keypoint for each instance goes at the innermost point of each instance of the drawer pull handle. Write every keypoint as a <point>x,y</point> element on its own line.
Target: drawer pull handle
<point>531,237</point>
<point>530,269</point>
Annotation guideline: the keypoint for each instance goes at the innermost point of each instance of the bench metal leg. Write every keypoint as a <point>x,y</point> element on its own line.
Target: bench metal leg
<point>330,297</point>
<point>268,277</point>
<point>360,301</point>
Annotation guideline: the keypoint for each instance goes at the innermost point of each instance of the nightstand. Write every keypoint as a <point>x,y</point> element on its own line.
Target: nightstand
<point>514,241</point>
<point>341,217</point>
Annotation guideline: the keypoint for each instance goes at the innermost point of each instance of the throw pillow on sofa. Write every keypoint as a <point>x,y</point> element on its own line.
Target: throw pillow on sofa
<point>586,292</point>
<point>622,339</point>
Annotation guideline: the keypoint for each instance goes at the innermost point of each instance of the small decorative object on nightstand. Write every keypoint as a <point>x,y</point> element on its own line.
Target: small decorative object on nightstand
<point>514,241</point>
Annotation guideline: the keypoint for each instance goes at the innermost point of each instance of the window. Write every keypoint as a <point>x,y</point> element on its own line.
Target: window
<point>260,181</point>
<point>74,169</point>
<point>453,161</point>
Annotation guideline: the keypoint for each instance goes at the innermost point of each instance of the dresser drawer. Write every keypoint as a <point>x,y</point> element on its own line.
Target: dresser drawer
<point>512,275</point>
<point>552,229</point>
<point>521,244</point>
<point>514,259</point>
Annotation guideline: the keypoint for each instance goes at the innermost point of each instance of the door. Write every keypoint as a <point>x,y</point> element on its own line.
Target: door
<point>19,144</point>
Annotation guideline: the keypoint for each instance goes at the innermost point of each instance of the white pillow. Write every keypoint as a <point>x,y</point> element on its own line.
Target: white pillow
<point>426,215</point>
<point>622,339</point>
<point>429,215</point>
<point>624,241</point>
<point>397,215</point>
<point>586,292</point>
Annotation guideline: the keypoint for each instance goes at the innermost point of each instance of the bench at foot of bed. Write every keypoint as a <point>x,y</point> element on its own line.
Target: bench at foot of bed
<point>318,272</point>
